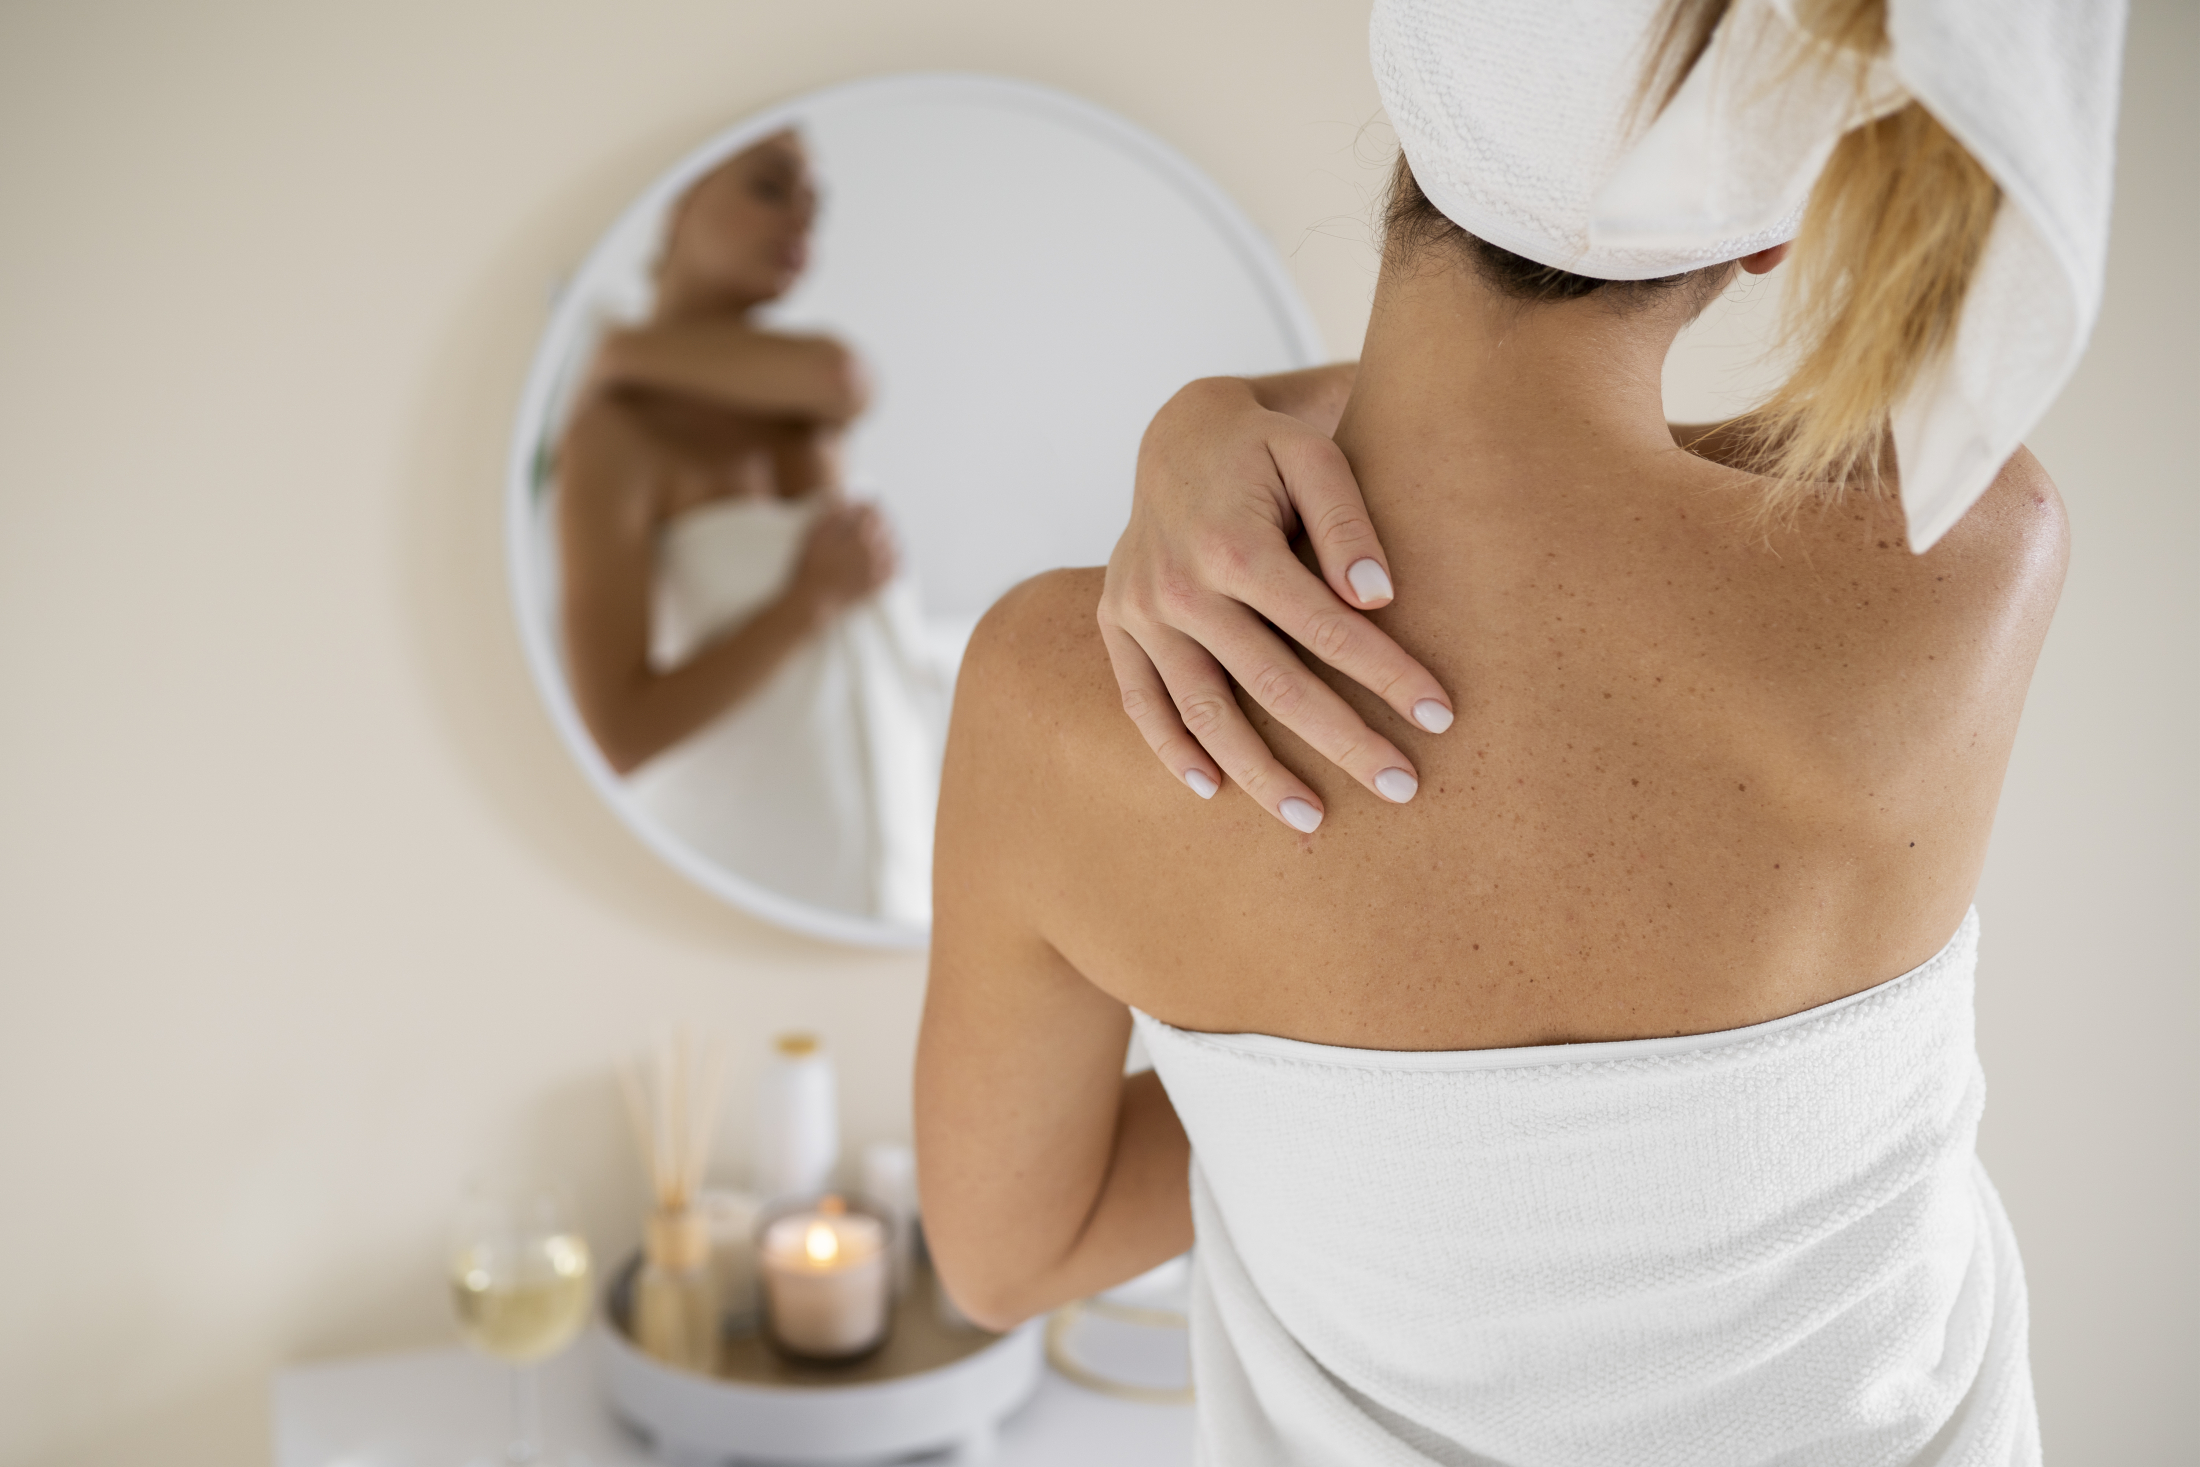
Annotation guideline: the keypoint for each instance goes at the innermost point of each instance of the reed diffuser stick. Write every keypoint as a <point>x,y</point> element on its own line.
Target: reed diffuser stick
<point>671,1105</point>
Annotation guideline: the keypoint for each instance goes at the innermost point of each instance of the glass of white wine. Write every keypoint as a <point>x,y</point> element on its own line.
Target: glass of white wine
<point>520,1286</point>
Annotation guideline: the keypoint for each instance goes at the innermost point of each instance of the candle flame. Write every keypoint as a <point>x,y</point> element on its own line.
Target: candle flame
<point>821,1243</point>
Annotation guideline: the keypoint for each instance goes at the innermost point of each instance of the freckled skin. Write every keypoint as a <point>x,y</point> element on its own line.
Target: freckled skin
<point>1702,775</point>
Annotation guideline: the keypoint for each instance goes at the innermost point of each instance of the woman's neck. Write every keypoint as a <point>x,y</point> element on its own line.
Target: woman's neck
<point>1451,367</point>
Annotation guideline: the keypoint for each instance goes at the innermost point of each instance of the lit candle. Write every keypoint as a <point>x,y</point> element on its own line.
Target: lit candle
<point>827,1283</point>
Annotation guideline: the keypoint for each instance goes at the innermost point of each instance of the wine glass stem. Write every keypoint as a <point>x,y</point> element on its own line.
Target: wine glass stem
<point>526,1446</point>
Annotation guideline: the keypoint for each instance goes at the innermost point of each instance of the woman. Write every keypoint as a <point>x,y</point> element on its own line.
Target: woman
<point>725,630</point>
<point>1587,1076</point>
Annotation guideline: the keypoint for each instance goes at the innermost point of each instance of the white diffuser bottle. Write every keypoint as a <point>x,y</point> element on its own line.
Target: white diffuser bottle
<point>797,1120</point>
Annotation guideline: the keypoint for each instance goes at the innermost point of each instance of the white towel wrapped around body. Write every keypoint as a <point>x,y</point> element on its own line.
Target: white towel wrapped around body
<point>1768,1245</point>
<point>821,784</point>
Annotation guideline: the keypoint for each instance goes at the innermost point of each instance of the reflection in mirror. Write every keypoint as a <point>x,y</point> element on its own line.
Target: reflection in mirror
<point>832,385</point>
<point>737,642</point>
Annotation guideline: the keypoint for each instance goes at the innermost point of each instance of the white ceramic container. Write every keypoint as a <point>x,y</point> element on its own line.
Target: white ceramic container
<point>932,1389</point>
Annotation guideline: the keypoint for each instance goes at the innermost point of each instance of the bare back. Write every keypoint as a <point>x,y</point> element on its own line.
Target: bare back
<point>1701,776</point>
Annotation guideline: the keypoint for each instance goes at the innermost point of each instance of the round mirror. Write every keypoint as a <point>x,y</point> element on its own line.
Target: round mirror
<point>830,386</point>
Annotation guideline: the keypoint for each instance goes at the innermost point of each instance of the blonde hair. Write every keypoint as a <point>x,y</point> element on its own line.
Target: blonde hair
<point>1890,240</point>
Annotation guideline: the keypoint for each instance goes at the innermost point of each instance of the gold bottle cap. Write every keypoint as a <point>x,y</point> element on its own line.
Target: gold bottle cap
<point>797,1044</point>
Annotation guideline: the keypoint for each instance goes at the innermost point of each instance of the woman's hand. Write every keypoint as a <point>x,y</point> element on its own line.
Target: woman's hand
<point>1228,471</point>
<point>848,555</point>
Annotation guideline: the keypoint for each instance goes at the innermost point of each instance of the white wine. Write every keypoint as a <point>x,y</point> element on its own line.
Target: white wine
<point>522,1308</point>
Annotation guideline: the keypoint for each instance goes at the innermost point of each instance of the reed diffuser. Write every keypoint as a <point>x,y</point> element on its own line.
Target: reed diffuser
<point>672,1102</point>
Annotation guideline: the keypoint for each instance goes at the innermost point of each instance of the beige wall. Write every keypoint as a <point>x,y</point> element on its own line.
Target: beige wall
<point>302,910</point>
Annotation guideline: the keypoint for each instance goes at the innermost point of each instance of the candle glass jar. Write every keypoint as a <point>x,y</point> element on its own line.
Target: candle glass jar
<point>827,1272</point>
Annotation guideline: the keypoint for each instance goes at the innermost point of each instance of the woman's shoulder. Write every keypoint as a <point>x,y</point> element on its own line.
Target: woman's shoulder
<point>1040,643</point>
<point>1045,778</point>
<point>1876,689</point>
<point>1985,590</point>
<point>2019,521</point>
<point>607,474</point>
<point>1037,707</point>
<point>1845,574</point>
<point>601,430</point>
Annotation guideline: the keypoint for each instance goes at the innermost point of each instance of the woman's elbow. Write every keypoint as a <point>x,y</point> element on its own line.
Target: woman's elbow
<point>987,1298</point>
<point>618,736</point>
<point>996,1272</point>
<point>844,383</point>
<point>622,752</point>
<point>623,760</point>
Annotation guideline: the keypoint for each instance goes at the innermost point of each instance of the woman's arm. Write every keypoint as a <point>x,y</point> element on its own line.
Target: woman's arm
<point>607,527</point>
<point>727,361</point>
<point>1046,1174</point>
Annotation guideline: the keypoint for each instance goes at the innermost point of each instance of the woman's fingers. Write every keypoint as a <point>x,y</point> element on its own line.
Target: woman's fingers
<point>1221,483</point>
<point>1280,587</point>
<point>877,539</point>
<point>1146,699</point>
<point>1319,483</point>
<point>1207,709</point>
<point>1266,667</point>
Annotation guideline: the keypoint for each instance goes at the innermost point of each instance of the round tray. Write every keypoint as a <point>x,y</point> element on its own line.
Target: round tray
<point>933,1386</point>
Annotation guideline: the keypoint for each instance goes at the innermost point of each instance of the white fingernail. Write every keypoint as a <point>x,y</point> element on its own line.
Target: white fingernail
<point>1369,582</point>
<point>1202,783</point>
<point>1300,815</point>
<point>1432,715</point>
<point>1396,786</point>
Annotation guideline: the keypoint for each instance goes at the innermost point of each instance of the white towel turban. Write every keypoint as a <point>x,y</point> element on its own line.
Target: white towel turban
<point>1519,119</point>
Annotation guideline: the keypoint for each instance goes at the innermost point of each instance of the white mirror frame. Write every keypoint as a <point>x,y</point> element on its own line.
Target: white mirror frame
<point>569,322</point>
